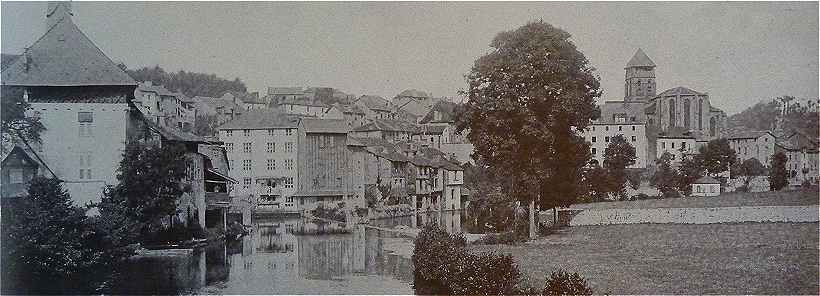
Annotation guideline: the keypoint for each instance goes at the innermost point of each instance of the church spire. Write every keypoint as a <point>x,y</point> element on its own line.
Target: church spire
<point>640,59</point>
<point>639,79</point>
<point>57,11</point>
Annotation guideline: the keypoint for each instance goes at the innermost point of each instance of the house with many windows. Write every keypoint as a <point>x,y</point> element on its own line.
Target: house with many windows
<point>600,133</point>
<point>262,151</point>
<point>752,144</point>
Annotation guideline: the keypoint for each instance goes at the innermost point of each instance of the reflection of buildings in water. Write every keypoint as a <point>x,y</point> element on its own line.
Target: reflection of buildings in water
<point>274,239</point>
<point>216,262</point>
<point>324,257</point>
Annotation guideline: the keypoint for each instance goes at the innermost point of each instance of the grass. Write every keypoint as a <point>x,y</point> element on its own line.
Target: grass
<point>746,258</point>
<point>732,199</point>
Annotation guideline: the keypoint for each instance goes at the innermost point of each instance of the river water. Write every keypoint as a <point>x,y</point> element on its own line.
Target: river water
<point>275,259</point>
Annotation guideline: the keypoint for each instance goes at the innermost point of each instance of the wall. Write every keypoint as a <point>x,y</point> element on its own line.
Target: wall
<point>601,131</point>
<point>101,149</point>
<point>697,215</point>
<point>259,156</point>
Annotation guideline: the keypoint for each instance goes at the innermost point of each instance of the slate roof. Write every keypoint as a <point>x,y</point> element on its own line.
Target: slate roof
<point>173,134</point>
<point>387,125</point>
<point>706,180</point>
<point>445,108</point>
<point>218,102</point>
<point>630,108</point>
<point>677,132</point>
<point>350,108</point>
<point>250,98</point>
<point>414,93</point>
<point>680,90</point>
<point>798,141</point>
<point>262,119</point>
<point>640,59</point>
<point>375,102</point>
<point>324,126</point>
<point>302,101</point>
<point>7,59</point>
<point>430,130</point>
<point>64,56</point>
<point>285,90</point>
<point>745,134</point>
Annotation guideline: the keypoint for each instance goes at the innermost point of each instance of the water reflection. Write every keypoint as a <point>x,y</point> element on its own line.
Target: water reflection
<point>274,260</point>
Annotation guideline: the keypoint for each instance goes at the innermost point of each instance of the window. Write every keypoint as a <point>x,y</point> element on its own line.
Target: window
<point>271,164</point>
<point>246,183</point>
<point>289,147</point>
<point>270,133</point>
<point>246,165</point>
<point>633,127</point>
<point>594,151</point>
<point>229,133</point>
<point>634,138</point>
<point>229,147</point>
<point>594,139</point>
<point>289,132</point>
<point>230,164</point>
<point>673,145</point>
<point>271,147</point>
<point>85,165</point>
<point>246,133</point>
<point>289,164</point>
<point>85,117</point>
<point>606,128</point>
<point>620,128</point>
<point>246,147</point>
<point>683,145</point>
<point>289,182</point>
<point>16,176</point>
<point>606,139</point>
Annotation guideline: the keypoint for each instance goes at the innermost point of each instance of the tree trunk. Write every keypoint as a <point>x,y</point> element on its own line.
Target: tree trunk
<point>532,220</point>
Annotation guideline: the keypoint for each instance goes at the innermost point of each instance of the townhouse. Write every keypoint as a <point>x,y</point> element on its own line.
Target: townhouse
<point>752,144</point>
<point>600,133</point>
<point>801,153</point>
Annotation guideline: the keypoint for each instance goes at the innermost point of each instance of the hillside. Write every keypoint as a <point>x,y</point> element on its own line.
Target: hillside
<point>766,115</point>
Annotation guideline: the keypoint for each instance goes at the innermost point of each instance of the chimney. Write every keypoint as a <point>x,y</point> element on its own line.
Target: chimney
<point>26,59</point>
<point>57,10</point>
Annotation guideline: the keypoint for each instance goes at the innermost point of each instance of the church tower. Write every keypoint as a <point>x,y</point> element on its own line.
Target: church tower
<point>639,81</point>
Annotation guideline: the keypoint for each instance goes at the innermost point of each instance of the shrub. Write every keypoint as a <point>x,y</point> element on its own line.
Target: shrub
<point>444,266</point>
<point>672,194</point>
<point>640,196</point>
<point>563,283</point>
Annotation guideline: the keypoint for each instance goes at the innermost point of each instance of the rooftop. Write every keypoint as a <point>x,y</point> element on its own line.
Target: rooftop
<point>324,126</point>
<point>262,119</point>
<point>640,59</point>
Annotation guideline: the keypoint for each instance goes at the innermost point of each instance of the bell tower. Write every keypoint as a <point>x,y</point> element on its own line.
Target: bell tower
<point>639,79</point>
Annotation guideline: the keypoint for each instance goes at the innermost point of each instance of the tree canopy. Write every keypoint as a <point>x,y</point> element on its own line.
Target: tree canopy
<point>778,174</point>
<point>718,156</point>
<point>189,83</point>
<point>15,121</point>
<point>527,97</point>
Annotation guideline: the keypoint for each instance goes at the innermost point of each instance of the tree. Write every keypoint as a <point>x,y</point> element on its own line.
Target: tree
<point>691,169</point>
<point>50,246</point>
<point>599,183</point>
<point>747,170</point>
<point>189,83</point>
<point>778,175</point>
<point>150,183</point>
<point>527,99</point>
<point>665,177</point>
<point>15,121</point>
<point>618,155</point>
<point>718,156</point>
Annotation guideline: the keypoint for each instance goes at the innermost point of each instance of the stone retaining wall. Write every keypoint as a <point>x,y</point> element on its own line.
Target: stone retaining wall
<point>697,215</point>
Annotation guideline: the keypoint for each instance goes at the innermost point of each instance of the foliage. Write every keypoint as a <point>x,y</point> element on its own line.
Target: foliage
<point>525,96</point>
<point>206,125</point>
<point>717,156</point>
<point>748,169</point>
<point>372,196</point>
<point>563,283</point>
<point>189,83</point>
<point>335,214</point>
<point>665,177</point>
<point>599,184</point>
<point>444,266</point>
<point>507,238</point>
<point>50,246</point>
<point>691,169</point>
<point>778,175</point>
<point>150,183</point>
<point>761,116</point>
<point>618,155</point>
<point>15,121</point>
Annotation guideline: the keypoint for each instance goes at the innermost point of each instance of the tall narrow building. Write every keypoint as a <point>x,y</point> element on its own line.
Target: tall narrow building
<point>639,79</point>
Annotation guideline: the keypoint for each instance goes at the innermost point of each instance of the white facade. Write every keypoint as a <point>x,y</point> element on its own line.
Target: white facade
<point>83,143</point>
<point>701,189</point>
<point>259,155</point>
<point>678,147</point>
<point>760,147</point>
<point>304,109</point>
<point>599,135</point>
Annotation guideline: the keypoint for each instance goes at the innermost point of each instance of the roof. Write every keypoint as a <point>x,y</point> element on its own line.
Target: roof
<point>217,102</point>
<point>430,129</point>
<point>650,109</point>
<point>446,112</point>
<point>375,102</point>
<point>745,134</point>
<point>677,132</point>
<point>350,108</point>
<point>799,141</point>
<point>387,125</point>
<point>303,101</point>
<point>706,180</point>
<point>610,109</point>
<point>64,56</point>
<point>173,134</point>
<point>285,90</point>
<point>413,93</point>
<point>714,109</point>
<point>680,90</point>
<point>302,193</point>
<point>262,119</point>
<point>418,106</point>
<point>250,98</point>
<point>324,126</point>
<point>640,59</point>
<point>7,59</point>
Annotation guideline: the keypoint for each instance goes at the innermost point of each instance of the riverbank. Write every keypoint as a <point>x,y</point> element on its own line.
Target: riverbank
<point>742,258</point>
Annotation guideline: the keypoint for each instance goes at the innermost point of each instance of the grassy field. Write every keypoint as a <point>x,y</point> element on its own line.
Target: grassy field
<point>747,258</point>
<point>732,199</point>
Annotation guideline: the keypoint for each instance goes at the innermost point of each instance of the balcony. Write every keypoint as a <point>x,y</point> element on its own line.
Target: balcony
<point>217,199</point>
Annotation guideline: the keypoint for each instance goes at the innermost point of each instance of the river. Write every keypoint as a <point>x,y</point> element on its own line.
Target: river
<point>274,259</point>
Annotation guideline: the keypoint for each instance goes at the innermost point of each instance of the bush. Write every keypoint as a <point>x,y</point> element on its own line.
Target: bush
<point>444,266</point>
<point>641,196</point>
<point>563,283</point>
<point>672,194</point>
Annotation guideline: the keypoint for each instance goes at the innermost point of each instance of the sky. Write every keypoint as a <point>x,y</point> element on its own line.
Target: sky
<point>738,52</point>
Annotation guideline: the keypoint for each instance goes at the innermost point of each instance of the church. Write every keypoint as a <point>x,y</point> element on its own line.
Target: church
<point>678,111</point>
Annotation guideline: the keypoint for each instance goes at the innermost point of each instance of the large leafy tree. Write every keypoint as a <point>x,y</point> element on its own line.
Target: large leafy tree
<point>778,174</point>
<point>747,170</point>
<point>618,155</point>
<point>50,246</point>
<point>691,169</point>
<point>527,99</point>
<point>665,177</point>
<point>150,183</point>
<point>718,156</point>
<point>15,122</point>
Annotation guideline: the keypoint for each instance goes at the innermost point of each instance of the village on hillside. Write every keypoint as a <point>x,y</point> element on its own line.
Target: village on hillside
<point>292,164</point>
